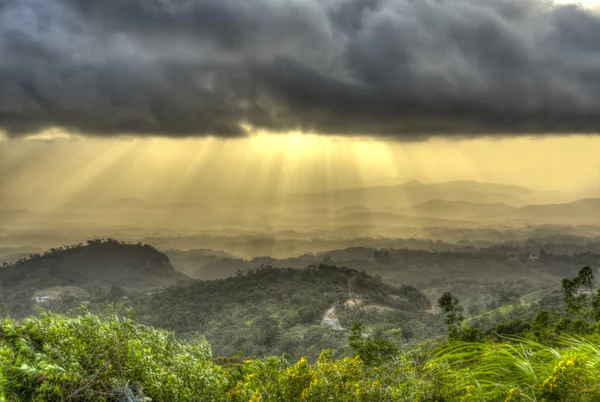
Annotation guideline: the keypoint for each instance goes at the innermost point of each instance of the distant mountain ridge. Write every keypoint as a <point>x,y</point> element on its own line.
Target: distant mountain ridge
<point>586,210</point>
<point>392,219</point>
<point>473,185</point>
<point>134,203</point>
<point>416,192</point>
<point>579,211</point>
<point>458,209</point>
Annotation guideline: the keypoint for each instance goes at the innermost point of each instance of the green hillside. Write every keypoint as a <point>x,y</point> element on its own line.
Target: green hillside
<point>94,267</point>
<point>279,310</point>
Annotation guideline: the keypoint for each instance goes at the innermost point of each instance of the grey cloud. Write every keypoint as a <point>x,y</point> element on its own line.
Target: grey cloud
<point>408,69</point>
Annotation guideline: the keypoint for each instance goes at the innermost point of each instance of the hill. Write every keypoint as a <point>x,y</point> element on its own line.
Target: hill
<point>135,205</point>
<point>457,209</point>
<point>414,192</point>
<point>390,219</point>
<point>94,266</point>
<point>581,211</point>
<point>276,310</point>
<point>206,263</point>
<point>586,210</point>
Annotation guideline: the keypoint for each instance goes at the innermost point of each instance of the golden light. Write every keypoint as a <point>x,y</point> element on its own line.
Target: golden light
<point>66,168</point>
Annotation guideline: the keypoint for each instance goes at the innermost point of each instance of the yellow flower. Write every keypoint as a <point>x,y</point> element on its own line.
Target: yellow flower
<point>511,393</point>
<point>324,354</point>
<point>549,383</point>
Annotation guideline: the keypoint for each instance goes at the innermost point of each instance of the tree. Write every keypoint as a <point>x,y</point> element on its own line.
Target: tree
<point>541,327</point>
<point>407,333</point>
<point>66,301</point>
<point>116,293</point>
<point>370,350</point>
<point>454,314</point>
<point>4,310</point>
<point>586,278</point>
<point>473,309</point>
<point>382,256</point>
<point>266,331</point>
<point>309,314</point>
<point>578,295</point>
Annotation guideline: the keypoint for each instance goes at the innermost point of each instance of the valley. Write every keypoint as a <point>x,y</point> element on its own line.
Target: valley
<point>335,279</point>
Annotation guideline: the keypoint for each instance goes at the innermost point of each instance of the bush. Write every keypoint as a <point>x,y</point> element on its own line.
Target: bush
<point>273,379</point>
<point>55,358</point>
<point>371,351</point>
<point>85,358</point>
<point>309,314</point>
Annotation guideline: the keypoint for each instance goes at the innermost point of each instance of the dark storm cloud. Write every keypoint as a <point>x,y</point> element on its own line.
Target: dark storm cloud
<point>401,68</point>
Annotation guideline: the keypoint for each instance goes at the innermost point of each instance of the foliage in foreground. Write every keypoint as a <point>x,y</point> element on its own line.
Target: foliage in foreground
<point>55,358</point>
<point>85,358</point>
<point>521,370</point>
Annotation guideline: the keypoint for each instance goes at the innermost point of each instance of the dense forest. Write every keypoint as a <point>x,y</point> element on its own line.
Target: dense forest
<point>318,332</point>
<point>274,310</point>
<point>85,271</point>
<point>81,356</point>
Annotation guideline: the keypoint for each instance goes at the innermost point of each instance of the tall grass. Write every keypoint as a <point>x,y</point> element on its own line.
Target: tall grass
<point>520,370</point>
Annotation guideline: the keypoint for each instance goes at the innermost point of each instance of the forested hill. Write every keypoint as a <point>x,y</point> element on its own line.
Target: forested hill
<point>90,267</point>
<point>276,310</point>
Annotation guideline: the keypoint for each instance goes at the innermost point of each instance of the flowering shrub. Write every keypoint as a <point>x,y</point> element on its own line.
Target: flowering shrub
<point>332,380</point>
<point>85,358</point>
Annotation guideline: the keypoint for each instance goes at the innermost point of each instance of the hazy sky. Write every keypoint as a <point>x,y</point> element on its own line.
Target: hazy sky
<point>50,173</point>
<point>170,100</point>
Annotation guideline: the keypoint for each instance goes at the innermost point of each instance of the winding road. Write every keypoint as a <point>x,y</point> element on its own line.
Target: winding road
<point>330,319</point>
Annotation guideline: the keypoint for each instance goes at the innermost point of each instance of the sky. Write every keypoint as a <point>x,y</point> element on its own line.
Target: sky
<point>183,101</point>
<point>43,174</point>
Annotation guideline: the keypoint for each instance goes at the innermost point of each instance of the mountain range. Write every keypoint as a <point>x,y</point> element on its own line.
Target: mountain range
<point>397,211</point>
<point>416,192</point>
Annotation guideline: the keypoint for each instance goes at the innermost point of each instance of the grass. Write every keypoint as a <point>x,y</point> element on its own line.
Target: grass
<point>521,369</point>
